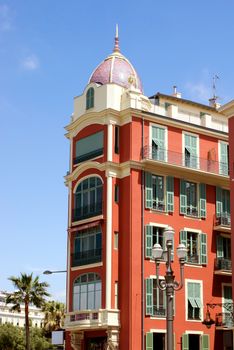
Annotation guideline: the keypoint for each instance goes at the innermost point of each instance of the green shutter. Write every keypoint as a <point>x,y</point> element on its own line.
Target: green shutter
<point>219,246</point>
<point>203,248</point>
<point>183,239</point>
<point>148,190</point>
<point>205,341</point>
<point>149,341</point>
<point>183,197</point>
<point>149,296</point>
<point>170,194</point>
<point>185,341</point>
<point>223,158</point>
<point>148,241</point>
<point>219,204</point>
<point>202,206</point>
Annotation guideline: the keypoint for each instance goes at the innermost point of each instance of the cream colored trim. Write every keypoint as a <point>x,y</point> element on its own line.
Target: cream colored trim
<point>86,177</point>
<point>109,142</point>
<point>192,230</point>
<point>157,225</point>
<point>194,332</point>
<point>155,330</point>
<point>109,243</point>
<point>86,221</point>
<point>84,267</point>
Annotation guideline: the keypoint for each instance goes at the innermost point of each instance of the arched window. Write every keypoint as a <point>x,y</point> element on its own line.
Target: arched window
<point>88,199</point>
<point>90,98</point>
<point>87,292</point>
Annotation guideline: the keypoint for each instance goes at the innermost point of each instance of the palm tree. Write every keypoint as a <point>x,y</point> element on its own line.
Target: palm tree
<point>28,291</point>
<point>54,315</point>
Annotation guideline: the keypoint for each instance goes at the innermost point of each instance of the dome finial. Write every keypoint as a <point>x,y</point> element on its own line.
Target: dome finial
<point>116,47</point>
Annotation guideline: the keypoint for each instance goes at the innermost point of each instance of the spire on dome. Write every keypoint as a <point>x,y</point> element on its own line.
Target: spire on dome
<point>116,47</point>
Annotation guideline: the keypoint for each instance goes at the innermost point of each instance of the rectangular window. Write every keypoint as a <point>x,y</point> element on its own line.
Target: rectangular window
<point>223,216</point>
<point>87,247</point>
<point>223,158</point>
<point>223,253</point>
<point>89,147</point>
<point>158,143</point>
<point>116,193</point>
<point>190,192</point>
<point>194,303</point>
<point>195,341</point>
<point>117,129</point>
<point>191,151</point>
<point>155,299</point>
<point>159,192</point>
<point>153,235</point>
<point>196,244</point>
<point>116,295</point>
<point>116,240</point>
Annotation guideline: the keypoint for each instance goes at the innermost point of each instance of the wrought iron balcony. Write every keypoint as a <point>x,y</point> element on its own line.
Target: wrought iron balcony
<point>224,319</point>
<point>92,319</point>
<point>192,211</point>
<point>193,259</point>
<point>160,206</point>
<point>223,264</point>
<point>88,156</point>
<point>223,220</point>
<point>86,257</point>
<point>159,311</point>
<point>180,159</point>
<point>87,211</point>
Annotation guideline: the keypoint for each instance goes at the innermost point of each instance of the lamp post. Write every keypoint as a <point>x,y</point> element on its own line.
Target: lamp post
<point>169,284</point>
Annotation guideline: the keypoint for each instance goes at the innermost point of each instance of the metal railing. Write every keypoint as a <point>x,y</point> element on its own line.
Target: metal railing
<point>223,220</point>
<point>179,159</point>
<point>223,264</point>
<point>159,311</point>
<point>87,211</point>
<point>224,319</point>
<point>86,257</point>
<point>193,259</point>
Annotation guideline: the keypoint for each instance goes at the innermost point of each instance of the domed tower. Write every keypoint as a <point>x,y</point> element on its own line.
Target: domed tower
<point>116,69</point>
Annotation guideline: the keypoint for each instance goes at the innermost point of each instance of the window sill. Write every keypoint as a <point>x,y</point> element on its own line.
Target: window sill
<point>194,265</point>
<point>192,320</point>
<point>86,221</point>
<point>192,217</point>
<point>156,211</point>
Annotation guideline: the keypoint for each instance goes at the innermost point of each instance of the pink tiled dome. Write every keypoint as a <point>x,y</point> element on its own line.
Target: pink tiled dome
<point>116,69</point>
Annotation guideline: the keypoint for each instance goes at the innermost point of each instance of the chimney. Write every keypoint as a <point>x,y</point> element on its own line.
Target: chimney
<point>175,92</point>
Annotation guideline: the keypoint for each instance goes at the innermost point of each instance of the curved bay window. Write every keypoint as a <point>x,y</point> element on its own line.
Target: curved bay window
<point>87,292</point>
<point>90,98</point>
<point>88,199</point>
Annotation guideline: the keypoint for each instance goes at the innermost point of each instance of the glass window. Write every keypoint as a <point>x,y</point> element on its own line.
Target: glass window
<point>89,147</point>
<point>87,295</point>
<point>158,143</point>
<point>190,150</point>
<point>159,301</point>
<point>223,158</point>
<point>158,192</point>
<point>90,98</point>
<point>194,300</point>
<point>87,247</point>
<point>88,199</point>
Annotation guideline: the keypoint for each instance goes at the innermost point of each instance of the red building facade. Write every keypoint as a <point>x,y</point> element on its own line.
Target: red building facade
<point>137,165</point>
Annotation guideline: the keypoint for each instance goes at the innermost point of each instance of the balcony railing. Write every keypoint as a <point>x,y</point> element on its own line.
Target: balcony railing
<point>160,206</point>
<point>87,211</point>
<point>223,220</point>
<point>223,264</point>
<point>224,319</point>
<point>179,159</point>
<point>93,319</point>
<point>192,211</point>
<point>86,257</point>
<point>193,259</point>
<point>159,311</point>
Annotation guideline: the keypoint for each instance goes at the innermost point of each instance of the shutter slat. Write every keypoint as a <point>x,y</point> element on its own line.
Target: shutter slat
<point>185,341</point>
<point>202,206</point>
<point>183,197</point>
<point>170,194</point>
<point>148,241</point>
<point>149,296</point>
<point>148,190</point>
<point>183,240</point>
<point>149,341</point>
<point>219,204</point>
<point>205,340</point>
<point>203,248</point>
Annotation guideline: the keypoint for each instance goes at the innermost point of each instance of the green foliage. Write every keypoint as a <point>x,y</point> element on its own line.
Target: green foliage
<point>54,315</point>
<point>13,338</point>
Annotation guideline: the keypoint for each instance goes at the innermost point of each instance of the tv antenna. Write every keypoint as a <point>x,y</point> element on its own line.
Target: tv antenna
<point>215,78</point>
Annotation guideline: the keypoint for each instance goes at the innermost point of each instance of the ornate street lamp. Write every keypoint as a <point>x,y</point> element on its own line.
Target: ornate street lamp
<point>168,283</point>
<point>208,321</point>
<point>48,272</point>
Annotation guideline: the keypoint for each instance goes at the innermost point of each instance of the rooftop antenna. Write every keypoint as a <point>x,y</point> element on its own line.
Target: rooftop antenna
<point>215,78</point>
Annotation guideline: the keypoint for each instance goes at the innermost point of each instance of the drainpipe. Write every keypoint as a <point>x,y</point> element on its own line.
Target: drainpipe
<point>142,242</point>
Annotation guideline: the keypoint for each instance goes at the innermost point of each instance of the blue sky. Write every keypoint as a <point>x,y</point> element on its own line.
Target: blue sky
<point>48,49</point>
